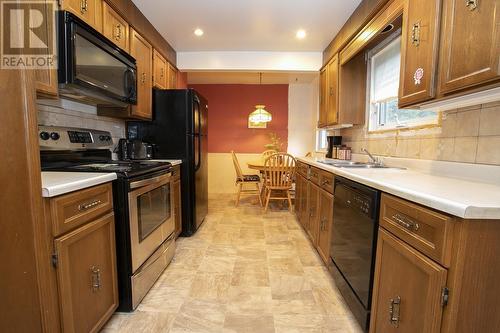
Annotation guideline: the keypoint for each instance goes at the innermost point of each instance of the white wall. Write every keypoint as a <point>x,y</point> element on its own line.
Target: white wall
<point>249,61</point>
<point>303,102</point>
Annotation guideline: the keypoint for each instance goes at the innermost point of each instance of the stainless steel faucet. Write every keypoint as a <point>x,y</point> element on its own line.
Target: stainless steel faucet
<point>372,158</point>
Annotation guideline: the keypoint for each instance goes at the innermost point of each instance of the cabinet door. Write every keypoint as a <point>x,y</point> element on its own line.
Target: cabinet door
<point>419,51</point>
<point>470,46</point>
<point>323,96</point>
<point>177,207</point>
<point>325,224</point>
<point>313,218</point>
<point>172,77</point>
<point>160,71</point>
<point>332,103</point>
<point>46,78</point>
<point>86,274</point>
<point>114,27</point>
<point>142,51</point>
<point>88,10</point>
<point>304,219</point>
<point>298,197</point>
<point>406,290</point>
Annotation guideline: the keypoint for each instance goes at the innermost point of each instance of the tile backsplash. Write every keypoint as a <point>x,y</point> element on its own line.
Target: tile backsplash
<point>470,135</point>
<point>67,113</point>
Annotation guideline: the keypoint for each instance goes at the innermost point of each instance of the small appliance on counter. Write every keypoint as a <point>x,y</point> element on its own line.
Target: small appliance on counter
<point>333,141</point>
<point>134,150</point>
<point>143,203</point>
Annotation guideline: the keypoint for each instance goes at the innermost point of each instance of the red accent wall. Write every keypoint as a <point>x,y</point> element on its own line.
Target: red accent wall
<point>228,108</point>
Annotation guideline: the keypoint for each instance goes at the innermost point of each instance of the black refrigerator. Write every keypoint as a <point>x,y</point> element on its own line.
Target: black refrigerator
<point>179,131</point>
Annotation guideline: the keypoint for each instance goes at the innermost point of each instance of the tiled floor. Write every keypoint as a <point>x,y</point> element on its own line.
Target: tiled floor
<point>244,271</point>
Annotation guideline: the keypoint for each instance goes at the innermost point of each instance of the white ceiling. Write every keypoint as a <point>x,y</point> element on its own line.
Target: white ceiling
<point>250,77</point>
<point>248,25</point>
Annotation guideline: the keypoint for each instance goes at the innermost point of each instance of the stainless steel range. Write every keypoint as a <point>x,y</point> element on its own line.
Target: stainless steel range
<point>142,198</point>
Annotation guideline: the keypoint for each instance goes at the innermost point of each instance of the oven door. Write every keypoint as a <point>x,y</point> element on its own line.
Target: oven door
<point>151,216</point>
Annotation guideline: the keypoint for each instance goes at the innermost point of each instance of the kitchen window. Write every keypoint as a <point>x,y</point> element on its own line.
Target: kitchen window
<point>321,142</point>
<point>383,84</point>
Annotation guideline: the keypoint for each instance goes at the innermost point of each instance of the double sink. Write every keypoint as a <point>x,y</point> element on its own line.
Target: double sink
<point>350,164</point>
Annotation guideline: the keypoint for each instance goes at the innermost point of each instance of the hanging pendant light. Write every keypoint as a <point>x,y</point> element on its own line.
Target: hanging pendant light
<point>260,115</point>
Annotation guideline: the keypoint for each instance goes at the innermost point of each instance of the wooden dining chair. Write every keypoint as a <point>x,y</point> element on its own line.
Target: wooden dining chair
<point>242,179</point>
<point>279,172</point>
<point>267,153</point>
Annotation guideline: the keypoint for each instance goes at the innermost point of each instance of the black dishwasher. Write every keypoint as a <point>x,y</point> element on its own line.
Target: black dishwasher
<point>353,244</point>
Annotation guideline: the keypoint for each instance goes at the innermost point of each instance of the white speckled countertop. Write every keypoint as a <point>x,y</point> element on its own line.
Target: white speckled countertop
<point>459,197</point>
<point>57,183</point>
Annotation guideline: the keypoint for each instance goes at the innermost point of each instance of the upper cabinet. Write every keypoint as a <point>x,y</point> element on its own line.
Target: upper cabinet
<point>160,71</point>
<point>470,44</point>
<point>114,27</point>
<point>419,51</point>
<point>323,99</point>
<point>172,77</point>
<point>46,78</point>
<point>142,51</point>
<point>333,79</point>
<point>88,10</point>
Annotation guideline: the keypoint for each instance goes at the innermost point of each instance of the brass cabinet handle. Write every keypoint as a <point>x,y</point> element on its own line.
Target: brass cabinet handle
<point>143,77</point>
<point>331,91</point>
<point>96,278</point>
<point>83,6</point>
<point>471,4</point>
<point>394,311</point>
<point>118,35</point>
<point>83,207</point>
<point>415,34</point>
<point>405,222</point>
<point>161,72</point>
<point>325,182</point>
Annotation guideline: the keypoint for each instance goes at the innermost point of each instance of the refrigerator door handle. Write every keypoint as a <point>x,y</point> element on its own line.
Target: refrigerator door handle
<point>197,166</point>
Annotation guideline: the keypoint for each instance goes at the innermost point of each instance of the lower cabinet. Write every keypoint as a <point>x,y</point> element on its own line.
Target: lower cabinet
<point>325,218</point>
<point>83,258</point>
<point>313,218</point>
<point>314,208</point>
<point>177,200</point>
<point>407,289</point>
<point>86,275</point>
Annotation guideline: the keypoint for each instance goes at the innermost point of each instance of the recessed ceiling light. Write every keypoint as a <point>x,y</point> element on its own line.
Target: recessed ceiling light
<point>301,34</point>
<point>198,32</point>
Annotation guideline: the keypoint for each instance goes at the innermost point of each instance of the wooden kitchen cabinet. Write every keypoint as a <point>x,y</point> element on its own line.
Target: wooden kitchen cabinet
<point>172,77</point>
<point>312,209</point>
<point>407,289</point>
<point>419,51</point>
<point>86,274</point>
<point>301,201</point>
<point>323,100</point>
<point>177,200</point>
<point>332,91</point>
<point>325,224</point>
<point>89,11</point>
<point>46,78</point>
<point>114,27</point>
<point>160,71</point>
<point>470,44</point>
<point>142,51</point>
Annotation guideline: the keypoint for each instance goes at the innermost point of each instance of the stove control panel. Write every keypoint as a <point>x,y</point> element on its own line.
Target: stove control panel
<point>69,138</point>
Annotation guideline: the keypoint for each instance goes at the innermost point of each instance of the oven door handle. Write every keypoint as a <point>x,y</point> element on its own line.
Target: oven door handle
<point>149,181</point>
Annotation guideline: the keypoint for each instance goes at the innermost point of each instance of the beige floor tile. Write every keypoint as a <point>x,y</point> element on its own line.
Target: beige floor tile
<point>249,324</point>
<point>210,286</point>
<point>243,271</point>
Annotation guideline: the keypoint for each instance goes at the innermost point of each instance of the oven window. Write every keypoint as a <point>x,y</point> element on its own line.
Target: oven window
<point>153,209</point>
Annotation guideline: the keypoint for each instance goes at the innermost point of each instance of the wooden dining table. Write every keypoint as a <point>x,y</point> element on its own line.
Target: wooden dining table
<point>257,164</point>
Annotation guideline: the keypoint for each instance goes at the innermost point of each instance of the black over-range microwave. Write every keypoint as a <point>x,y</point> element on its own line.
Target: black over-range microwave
<point>91,68</point>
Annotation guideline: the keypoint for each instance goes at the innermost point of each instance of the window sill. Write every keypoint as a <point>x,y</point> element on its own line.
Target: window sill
<point>406,128</point>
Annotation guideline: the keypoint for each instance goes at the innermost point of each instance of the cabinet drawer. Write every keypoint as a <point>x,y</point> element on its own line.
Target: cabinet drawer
<point>426,230</point>
<point>176,172</point>
<point>302,169</point>
<point>326,180</point>
<point>314,175</point>
<point>74,209</point>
